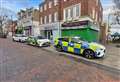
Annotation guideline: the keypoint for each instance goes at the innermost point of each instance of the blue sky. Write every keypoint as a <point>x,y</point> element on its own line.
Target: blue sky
<point>16,5</point>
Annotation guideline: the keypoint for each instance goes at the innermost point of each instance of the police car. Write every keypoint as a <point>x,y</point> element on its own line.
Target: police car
<point>78,46</point>
<point>38,41</point>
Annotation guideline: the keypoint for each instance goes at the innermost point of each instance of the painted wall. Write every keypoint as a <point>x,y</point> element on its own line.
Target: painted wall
<point>85,33</point>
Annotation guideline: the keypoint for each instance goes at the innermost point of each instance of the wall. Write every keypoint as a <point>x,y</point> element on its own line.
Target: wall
<point>86,34</point>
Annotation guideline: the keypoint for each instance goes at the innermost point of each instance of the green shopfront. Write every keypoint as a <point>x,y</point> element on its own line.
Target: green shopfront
<point>83,29</point>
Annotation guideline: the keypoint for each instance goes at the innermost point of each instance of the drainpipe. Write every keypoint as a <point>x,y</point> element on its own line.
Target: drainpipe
<point>59,18</point>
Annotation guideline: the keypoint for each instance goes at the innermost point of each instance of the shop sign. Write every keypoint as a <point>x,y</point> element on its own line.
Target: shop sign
<point>72,24</point>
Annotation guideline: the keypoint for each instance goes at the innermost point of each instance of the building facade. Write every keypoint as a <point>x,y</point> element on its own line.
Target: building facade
<point>29,20</point>
<point>49,18</point>
<point>59,17</point>
<point>12,27</point>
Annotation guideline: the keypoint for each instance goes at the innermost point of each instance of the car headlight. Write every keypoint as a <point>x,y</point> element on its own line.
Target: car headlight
<point>100,52</point>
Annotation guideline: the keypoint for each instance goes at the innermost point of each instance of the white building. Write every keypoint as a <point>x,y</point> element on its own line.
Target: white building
<point>29,20</point>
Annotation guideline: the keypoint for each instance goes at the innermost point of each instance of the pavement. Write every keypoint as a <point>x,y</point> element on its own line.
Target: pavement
<point>23,63</point>
<point>110,62</point>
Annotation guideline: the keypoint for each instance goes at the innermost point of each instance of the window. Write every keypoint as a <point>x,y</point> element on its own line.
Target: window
<point>97,2</point>
<point>50,4</point>
<point>45,7</point>
<point>96,16</point>
<point>29,14</point>
<point>45,19</point>
<point>77,10</point>
<point>69,12</point>
<point>66,14</point>
<point>93,13</point>
<point>72,12</point>
<point>50,18</point>
<point>55,2</point>
<point>76,40</point>
<point>41,9</point>
<point>55,16</point>
<point>41,20</point>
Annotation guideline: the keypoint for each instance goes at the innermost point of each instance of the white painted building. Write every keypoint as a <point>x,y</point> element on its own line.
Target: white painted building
<point>29,20</point>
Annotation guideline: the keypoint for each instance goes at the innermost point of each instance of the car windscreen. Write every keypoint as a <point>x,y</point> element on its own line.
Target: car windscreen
<point>77,40</point>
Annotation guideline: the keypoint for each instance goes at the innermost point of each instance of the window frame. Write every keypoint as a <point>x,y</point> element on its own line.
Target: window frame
<point>50,18</point>
<point>71,12</point>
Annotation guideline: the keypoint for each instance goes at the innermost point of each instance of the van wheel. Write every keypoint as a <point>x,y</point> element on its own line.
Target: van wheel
<point>89,54</point>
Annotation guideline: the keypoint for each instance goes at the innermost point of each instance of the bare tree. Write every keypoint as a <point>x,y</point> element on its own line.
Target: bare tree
<point>2,22</point>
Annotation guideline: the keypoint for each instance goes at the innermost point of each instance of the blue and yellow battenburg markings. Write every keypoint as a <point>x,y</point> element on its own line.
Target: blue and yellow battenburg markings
<point>73,47</point>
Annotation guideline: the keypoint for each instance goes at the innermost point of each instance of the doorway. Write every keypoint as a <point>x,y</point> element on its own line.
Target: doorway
<point>49,34</point>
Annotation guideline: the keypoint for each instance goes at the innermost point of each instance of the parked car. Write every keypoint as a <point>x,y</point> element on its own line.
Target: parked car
<point>19,38</point>
<point>38,41</point>
<point>76,45</point>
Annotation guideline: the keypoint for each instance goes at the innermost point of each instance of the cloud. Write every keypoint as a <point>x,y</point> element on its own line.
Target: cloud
<point>9,5</point>
<point>13,6</point>
<point>108,7</point>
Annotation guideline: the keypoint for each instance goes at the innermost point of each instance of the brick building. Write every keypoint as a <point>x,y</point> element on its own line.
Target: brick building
<point>60,17</point>
<point>12,27</point>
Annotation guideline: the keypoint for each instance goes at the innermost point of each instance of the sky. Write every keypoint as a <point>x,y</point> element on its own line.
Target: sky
<point>14,6</point>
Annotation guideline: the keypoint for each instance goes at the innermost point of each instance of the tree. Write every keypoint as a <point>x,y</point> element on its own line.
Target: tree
<point>2,22</point>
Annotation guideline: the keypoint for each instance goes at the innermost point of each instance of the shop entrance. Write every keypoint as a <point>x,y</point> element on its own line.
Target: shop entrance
<point>49,34</point>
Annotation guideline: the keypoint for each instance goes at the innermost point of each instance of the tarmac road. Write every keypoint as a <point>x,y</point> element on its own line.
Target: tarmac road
<point>23,63</point>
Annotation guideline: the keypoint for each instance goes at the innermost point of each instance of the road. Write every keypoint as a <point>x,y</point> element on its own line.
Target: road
<point>22,63</point>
